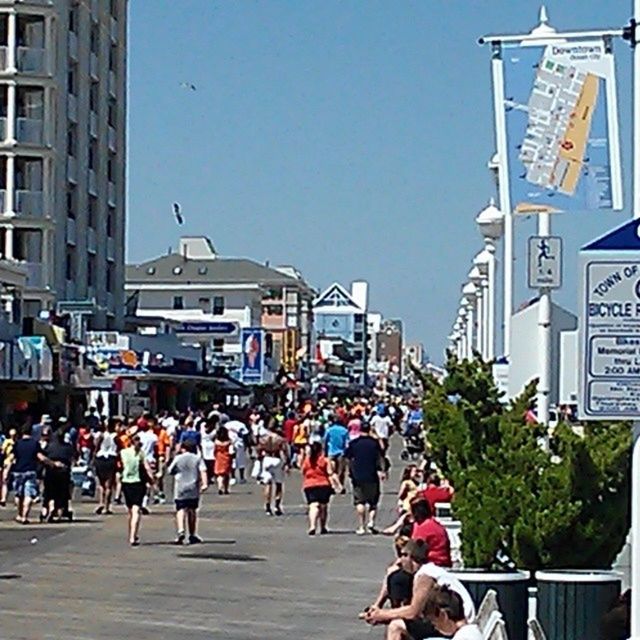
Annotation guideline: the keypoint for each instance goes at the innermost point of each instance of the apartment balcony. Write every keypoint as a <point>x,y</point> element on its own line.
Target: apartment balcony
<point>31,60</point>
<point>35,274</point>
<point>73,46</point>
<point>113,90</point>
<point>92,242</point>
<point>112,139</point>
<point>30,131</point>
<point>113,29</point>
<point>72,108</point>
<point>72,169</point>
<point>111,193</point>
<point>93,182</point>
<point>29,203</point>
<point>71,231</point>
<point>93,124</point>
<point>94,67</point>
<point>111,249</point>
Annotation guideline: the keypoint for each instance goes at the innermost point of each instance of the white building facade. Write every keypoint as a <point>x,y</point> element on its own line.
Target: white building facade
<point>62,150</point>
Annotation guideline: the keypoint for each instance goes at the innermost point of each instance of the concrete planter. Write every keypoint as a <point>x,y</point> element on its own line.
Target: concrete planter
<point>571,603</point>
<point>512,588</point>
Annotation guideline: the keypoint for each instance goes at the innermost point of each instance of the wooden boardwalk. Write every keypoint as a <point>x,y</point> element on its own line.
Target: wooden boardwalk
<point>255,577</point>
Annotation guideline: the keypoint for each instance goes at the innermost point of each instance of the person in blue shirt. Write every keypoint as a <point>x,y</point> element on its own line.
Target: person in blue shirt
<point>336,439</point>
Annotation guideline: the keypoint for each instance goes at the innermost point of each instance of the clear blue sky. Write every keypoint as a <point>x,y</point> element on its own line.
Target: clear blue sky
<point>348,138</point>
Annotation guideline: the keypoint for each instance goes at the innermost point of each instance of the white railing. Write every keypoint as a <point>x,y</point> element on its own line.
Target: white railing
<point>31,60</point>
<point>72,108</point>
<point>30,131</point>
<point>93,182</point>
<point>71,231</point>
<point>92,244</point>
<point>112,139</point>
<point>35,273</point>
<point>29,203</point>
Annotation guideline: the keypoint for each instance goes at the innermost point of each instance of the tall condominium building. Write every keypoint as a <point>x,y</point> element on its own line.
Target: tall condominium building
<point>62,150</point>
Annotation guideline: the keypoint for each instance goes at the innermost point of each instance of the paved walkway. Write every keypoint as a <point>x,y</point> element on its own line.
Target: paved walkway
<point>255,577</point>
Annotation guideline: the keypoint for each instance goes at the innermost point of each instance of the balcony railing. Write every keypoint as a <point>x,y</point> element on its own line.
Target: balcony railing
<point>93,66</point>
<point>92,244</point>
<point>113,90</point>
<point>73,45</point>
<point>29,203</point>
<point>112,139</point>
<point>31,60</point>
<point>93,182</point>
<point>30,131</point>
<point>111,249</point>
<point>71,231</point>
<point>35,274</point>
<point>93,124</point>
<point>72,169</point>
<point>111,193</point>
<point>72,108</point>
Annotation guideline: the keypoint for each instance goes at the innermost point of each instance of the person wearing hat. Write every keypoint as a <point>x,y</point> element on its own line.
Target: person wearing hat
<point>408,620</point>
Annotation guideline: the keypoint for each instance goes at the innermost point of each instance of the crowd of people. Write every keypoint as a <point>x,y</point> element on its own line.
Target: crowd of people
<point>337,446</point>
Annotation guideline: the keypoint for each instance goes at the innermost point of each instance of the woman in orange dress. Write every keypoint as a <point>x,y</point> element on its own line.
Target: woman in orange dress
<point>223,459</point>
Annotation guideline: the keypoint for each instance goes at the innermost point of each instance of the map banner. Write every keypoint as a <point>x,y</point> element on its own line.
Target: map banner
<point>562,127</point>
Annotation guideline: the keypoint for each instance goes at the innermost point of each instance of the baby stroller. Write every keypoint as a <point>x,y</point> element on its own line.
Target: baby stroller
<point>414,447</point>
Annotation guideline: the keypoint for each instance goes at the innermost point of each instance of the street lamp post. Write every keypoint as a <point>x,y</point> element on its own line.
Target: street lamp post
<point>491,223</point>
<point>469,293</point>
<point>475,277</point>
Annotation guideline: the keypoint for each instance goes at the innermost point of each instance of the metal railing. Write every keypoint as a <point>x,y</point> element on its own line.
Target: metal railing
<point>29,203</point>
<point>30,131</point>
<point>31,60</point>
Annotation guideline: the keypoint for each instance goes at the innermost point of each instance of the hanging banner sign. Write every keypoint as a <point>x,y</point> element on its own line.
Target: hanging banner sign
<point>562,127</point>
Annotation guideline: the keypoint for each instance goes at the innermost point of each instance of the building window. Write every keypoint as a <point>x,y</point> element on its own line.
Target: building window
<point>204,303</point>
<point>73,20</point>
<point>95,38</point>
<point>111,222</point>
<point>72,201</point>
<point>112,113</point>
<point>70,271</point>
<point>111,270</point>
<point>72,80</point>
<point>91,270</point>
<point>111,168</point>
<point>178,302</point>
<point>94,93</point>
<point>218,345</point>
<point>218,305</point>
<point>92,211</point>
<point>113,57</point>
<point>358,336</point>
<point>72,140</point>
<point>93,155</point>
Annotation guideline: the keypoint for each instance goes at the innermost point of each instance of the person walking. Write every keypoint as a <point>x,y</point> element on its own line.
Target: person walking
<point>336,439</point>
<point>28,456</point>
<point>136,475</point>
<point>367,470</point>
<point>316,484</point>
<point>239,434</point>
<point>57,479</point>
<point>223,459</point>
<point>207,439</point>
<point>190,480</point>
<point>105,463</point>
<point>273,456</point>
<point>8,459</point>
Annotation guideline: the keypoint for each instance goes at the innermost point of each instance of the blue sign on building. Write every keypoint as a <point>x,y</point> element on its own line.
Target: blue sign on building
<point>214,328</point>
<point>252,342</point>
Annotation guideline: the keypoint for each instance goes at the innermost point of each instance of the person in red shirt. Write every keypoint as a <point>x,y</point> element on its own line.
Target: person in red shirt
<point>427,528</point>
<point>436,491</point>
<point>289,426</point>
<point>316,484</point>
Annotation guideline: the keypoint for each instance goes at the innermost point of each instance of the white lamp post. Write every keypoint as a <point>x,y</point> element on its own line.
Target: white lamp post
<point>491,223</point>
<point>469,293</point>
<point>475,277</point>
<point>481,261</point>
